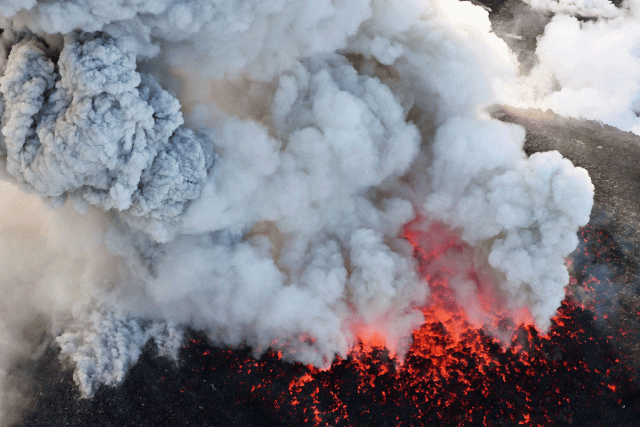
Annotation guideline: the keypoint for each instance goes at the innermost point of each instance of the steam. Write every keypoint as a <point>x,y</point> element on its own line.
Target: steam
<point>589,69</point>
<point>582,8</point>
<point>275,217</point>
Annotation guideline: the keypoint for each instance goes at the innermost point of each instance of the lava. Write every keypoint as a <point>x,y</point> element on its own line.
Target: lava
<point>571,376</point>
<point>456,374</point>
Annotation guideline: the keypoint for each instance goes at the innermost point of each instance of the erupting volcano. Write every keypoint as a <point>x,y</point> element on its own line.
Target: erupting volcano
<point>303,212</point>
<point>454,374</point>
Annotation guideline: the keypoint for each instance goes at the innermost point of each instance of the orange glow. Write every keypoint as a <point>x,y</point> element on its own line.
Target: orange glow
<point>455,373</point>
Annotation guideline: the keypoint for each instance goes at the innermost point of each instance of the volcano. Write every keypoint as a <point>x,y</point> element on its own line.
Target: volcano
<point>583,372</point>
<point>343,213</point>
<point>573,376</point>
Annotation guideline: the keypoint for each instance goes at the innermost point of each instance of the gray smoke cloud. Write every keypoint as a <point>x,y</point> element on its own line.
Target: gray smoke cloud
<point>92,128</point>
<point>315,131</point>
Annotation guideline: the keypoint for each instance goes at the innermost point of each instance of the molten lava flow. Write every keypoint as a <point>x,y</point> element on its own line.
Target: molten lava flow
<point>455,373</point>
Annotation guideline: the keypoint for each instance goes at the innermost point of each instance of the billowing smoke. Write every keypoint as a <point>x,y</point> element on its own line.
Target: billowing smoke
<point>588,68</point>
<point>578,8</point>
<point>96,131</point>
<point>272,213</point>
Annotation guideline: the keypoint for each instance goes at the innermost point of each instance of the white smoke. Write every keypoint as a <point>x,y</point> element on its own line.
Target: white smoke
<point>526,210</point>
<point>317,130</point>
<point>582,8</point>
<point>589,69</point>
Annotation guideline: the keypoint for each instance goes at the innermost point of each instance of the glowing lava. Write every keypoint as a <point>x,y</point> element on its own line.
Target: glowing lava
<point>455,374</point>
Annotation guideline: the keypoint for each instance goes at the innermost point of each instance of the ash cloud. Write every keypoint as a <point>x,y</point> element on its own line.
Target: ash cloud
<point>91,128</point>
<point>276,217</point>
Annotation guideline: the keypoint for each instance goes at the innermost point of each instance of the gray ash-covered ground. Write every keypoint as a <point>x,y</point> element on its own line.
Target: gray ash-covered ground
<point>609,154</point>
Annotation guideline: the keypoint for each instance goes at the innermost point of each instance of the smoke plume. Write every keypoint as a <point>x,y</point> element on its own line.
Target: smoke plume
<point>588,68</point>
<point>273,213</point>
